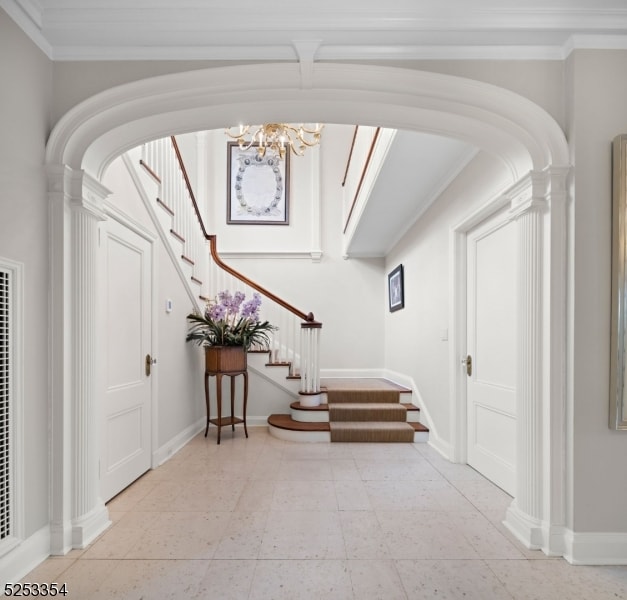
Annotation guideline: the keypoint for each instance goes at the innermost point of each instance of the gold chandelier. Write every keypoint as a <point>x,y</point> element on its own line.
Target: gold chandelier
<point>277,137</point>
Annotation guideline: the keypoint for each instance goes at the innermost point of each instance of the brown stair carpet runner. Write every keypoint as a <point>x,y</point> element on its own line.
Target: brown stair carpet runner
<point>368,416</point>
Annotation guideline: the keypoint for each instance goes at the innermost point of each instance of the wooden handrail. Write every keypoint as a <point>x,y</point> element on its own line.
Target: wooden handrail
<point>361,179</point>
<point>214,254</point>
<point>212,239</point>
<point>179,158</point>
<point>350,155</point>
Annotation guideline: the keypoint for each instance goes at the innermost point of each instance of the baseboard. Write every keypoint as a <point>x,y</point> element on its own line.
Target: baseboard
<point>87,528</point>
<point>435,440</point>
<point>171,447</point>
<point>596,548</point>
<point>25,557</point>
<point>527,530</point>
<point>257,421</point>
<point>606,548</point>
<point>442,447</point>
<point>345,373</point>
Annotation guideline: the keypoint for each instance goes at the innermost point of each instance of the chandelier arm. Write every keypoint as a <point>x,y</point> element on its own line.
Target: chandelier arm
<point>277,137</point>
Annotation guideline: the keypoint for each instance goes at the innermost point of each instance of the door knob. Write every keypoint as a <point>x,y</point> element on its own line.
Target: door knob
<point>468,362</point>
<point>149,362</point>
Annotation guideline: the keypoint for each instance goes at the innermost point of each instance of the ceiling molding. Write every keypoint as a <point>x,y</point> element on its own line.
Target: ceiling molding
<point>350,30</point>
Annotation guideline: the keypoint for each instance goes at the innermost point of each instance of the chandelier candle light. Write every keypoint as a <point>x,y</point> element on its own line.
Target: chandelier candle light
<point>277,137</point>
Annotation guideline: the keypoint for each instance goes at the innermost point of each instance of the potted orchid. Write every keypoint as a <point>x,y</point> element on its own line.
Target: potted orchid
<point>228,328</point>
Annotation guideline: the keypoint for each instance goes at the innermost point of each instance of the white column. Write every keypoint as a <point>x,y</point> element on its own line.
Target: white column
<point>310,394</point>
<point>524,517</point>
<point>529,436</point>
<point>59,186</point>
<point>89,515</point>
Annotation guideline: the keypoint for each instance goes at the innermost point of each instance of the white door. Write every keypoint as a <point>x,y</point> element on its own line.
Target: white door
<point>126,410</point>
<point>491,345</point>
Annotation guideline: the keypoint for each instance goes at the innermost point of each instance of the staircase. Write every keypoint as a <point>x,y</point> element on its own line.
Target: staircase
<point>356,410</point>
<point>349,410</point>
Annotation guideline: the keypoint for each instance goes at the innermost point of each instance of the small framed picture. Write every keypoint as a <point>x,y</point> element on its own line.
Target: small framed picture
<point>396,292</point>
<point>257,187</point>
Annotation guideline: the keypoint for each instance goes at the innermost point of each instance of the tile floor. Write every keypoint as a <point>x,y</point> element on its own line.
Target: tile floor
<point>263,519</point>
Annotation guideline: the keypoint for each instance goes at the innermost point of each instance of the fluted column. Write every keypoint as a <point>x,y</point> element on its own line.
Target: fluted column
<point>89,515</point>
<point>528,211</point>
<point>537,515</point>
<point>529,375</point>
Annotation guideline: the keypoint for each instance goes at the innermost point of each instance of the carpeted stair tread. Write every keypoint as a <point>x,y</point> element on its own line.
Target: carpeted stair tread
<point>367,411</point>
<point>363,396</point>
<point>379,431</point>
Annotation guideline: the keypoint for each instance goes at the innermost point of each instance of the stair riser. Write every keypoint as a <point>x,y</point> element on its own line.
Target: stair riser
<point>322,416</point>
<point>399,416</point>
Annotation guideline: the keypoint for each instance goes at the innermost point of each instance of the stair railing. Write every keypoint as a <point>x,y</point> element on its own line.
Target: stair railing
<point>296,343</point>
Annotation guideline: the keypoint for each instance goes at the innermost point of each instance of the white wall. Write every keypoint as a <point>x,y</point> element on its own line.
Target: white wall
<point>24,104</point>
<point>177,373</point>
<point>413,335</point>
<point>345,295</point>
<point>598,113</point>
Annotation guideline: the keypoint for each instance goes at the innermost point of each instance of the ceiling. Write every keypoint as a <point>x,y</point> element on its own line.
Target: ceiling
<point>349,30</point>
<point>320,29</point>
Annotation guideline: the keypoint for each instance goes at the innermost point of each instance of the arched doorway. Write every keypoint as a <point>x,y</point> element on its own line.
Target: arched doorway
<point>501,123</point>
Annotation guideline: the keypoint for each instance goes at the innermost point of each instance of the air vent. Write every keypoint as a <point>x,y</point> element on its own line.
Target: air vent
<point>5,417</point>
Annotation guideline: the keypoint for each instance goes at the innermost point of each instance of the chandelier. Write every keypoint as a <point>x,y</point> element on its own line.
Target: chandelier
<point>277,137</point>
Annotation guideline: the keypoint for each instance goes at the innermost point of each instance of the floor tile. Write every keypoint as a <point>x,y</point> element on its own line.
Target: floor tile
<point>452,580</point>
<point>82,578</point>
<point>305,469</point>
<point>303,534</point>
<point>256,495</point>
<point>344,469</point>
<point>227,580</point>
<point>424,534</point>
<point>304,495</point>
<point>242,536</point>
<point>376,580</point>
<point>551,579</point>
<point>154,579</point>
<point>181,535</point>
<point>486,539</point>
<point>302,580</point>
<point>220,495</point>
<point>415,469</point>
<point>352,495</point>
<point>363,536</point>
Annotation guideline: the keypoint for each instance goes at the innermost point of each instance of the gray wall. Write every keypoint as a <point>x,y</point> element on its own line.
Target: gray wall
<point>25,94</point>
<point>597,113</point>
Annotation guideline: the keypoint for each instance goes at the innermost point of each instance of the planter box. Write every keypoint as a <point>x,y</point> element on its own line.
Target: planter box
<point>225,359</point>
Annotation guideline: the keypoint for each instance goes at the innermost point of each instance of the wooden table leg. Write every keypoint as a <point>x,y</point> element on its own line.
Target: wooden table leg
<point>245,401</point>
<point>219,400</point>
<point>232,403</point>
<point>207,401</point>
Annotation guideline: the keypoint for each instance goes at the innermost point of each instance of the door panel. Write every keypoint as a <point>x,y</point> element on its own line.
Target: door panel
<point>491,341</point>
<point>126,411</point>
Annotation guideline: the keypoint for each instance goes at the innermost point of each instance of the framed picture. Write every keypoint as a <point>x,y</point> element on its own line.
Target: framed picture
<point>257,187</point>
<point>396,292</point>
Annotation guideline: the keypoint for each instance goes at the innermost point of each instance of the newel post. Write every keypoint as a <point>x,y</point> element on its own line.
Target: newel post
<point>310,363</point>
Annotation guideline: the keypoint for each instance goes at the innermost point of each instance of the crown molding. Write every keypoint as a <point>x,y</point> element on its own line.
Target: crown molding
<point>367,30</point>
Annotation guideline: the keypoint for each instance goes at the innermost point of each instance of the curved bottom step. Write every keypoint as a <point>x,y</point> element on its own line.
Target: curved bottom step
<point>285,428</point>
